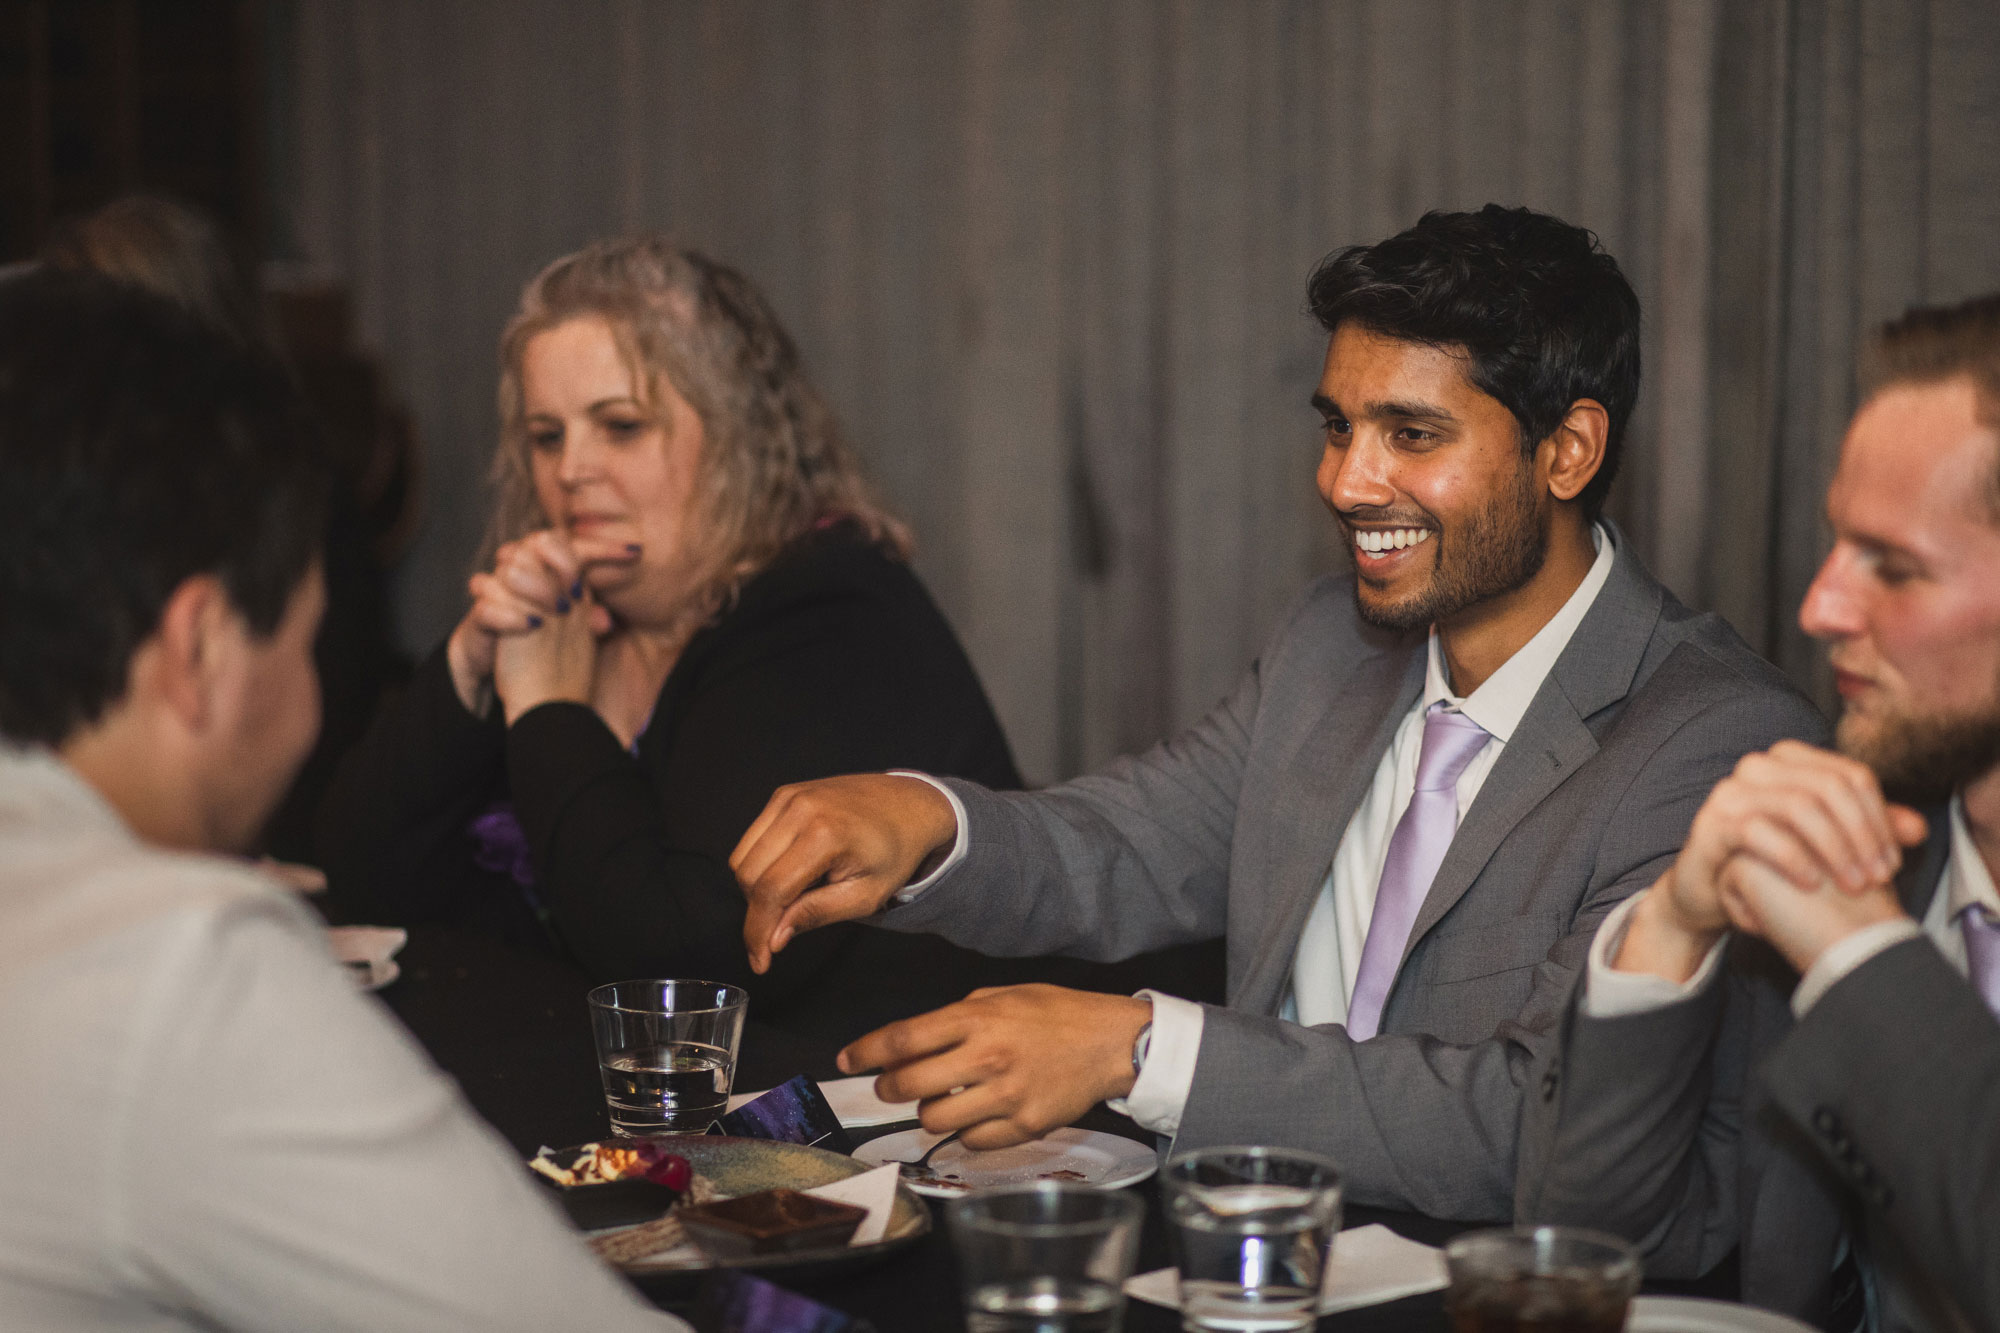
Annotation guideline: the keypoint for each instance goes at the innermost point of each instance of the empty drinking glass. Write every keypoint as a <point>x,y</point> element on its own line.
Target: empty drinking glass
<point>1048,1257</point>
<point>1254,1227</point>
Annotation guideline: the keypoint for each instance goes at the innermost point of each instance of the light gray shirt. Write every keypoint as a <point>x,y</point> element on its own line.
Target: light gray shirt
<point>207,1127</point>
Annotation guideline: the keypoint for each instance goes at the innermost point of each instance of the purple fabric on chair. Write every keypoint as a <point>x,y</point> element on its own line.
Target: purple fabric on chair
<point>499,844</point>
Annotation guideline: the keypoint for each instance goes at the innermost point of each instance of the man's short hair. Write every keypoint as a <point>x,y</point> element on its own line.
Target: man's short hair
<point>1932,344</point>
<point>1929,344</point>
<point>137,449</point>
<point>1541,312</point>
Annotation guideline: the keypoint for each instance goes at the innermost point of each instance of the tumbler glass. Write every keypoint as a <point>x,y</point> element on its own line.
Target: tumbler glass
<point>1255,1230</point>
<point>1545,1279</point>
<point>1048,1257</point>
<point>667,1052</point>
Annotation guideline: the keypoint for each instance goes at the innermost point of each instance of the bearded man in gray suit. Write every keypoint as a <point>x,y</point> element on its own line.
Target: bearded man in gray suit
<point>1441,774</point>
<point>1836,1070</point>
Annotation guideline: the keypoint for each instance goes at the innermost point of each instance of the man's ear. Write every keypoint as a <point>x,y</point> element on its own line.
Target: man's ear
<point>1575,449</point>
<point>183,662</point>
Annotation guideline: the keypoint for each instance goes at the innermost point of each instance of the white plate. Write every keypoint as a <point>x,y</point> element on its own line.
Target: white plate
<point>1105,1160</point>
<point>1689,1314</point>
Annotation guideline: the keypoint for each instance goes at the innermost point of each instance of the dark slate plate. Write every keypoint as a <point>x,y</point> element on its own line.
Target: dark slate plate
<point>744,1166</point>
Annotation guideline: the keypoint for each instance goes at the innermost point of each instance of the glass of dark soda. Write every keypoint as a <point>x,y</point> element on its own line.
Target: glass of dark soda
<point>1540,1280</point>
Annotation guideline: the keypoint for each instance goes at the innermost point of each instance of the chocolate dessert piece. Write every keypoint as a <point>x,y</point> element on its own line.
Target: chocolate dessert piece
<point>769,1222</point>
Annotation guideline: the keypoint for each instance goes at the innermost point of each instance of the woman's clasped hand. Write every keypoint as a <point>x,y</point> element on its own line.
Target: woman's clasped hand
<point>533,628</point>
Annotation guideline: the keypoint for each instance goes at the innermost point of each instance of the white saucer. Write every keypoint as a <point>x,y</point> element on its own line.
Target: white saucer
<point>1082,1156</point>
<point>1690,1314</point>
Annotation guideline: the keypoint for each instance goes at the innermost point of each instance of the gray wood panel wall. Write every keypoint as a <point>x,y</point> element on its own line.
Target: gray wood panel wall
<point>1048,258</point>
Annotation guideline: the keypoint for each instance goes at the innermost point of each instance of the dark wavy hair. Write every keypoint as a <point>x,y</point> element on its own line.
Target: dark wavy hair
<point>138,448</point>
<point>1542,314</point>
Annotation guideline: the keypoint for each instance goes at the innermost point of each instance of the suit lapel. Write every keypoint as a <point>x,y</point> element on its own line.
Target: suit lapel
<point>1546,749</point>
<point>1595,670</point>
<point>1316,791</point>
<point>1917,882</point>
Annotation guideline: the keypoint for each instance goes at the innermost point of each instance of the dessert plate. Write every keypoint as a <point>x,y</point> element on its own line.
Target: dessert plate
<point>1082,1156</point>
<point>745,1166</point>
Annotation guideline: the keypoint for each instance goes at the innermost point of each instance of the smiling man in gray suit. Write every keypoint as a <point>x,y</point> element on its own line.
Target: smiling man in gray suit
<point>1441,774</point>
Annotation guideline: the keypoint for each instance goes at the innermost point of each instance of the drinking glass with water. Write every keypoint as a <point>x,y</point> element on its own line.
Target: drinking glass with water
<point>1255,1228</point>
<point>1049,1257</point>
<point>667,1052</point>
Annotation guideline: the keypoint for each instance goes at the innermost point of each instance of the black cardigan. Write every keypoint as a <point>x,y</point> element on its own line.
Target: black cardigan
<point>832,660</point>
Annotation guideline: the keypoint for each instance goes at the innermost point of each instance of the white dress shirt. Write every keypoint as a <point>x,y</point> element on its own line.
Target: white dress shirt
<point>1329,948</point>
<point>1609,993</point>
<point>208,1127</point>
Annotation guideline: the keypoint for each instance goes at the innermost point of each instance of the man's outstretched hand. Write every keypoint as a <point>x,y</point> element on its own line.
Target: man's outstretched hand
<point>834,850</point>
<point>1006,1064</point>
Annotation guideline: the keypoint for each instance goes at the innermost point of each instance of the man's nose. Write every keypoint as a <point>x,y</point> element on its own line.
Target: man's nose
<point>1834,606</point>
<point>1355,477</point>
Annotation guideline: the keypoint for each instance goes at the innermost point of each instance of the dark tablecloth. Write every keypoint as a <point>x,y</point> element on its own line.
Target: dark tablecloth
<point>512,1028</point>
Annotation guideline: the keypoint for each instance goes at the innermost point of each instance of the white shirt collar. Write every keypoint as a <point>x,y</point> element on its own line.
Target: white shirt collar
<point>1967,880</point>
<point>36,786</point>
<point>1502,700</point>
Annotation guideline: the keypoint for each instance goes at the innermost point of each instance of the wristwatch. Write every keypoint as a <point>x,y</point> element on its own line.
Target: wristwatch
<point>1140,1045</point>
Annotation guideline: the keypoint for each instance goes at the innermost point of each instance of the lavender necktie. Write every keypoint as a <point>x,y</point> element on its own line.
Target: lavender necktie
<point>1416,850</point>
<point>1982,954</point>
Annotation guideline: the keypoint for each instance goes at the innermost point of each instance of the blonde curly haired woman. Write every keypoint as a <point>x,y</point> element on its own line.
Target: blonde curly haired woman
<point>692,599</point>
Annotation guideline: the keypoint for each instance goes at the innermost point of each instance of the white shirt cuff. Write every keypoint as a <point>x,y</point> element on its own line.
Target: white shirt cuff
<point>1844,955</point>
<point>1609,993</point>
<point>1160,1094</point>
<point>909,892</point>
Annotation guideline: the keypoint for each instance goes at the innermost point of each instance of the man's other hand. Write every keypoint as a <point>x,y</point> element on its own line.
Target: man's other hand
<point>1813,816</point>
<point>1006,1064</point>
<point>834,850</point>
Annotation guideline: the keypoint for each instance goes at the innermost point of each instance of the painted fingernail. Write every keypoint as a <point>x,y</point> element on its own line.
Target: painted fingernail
<point>562,606</point>
<point>534,622</point>
<point>576,590</point>
<point>634,547</point>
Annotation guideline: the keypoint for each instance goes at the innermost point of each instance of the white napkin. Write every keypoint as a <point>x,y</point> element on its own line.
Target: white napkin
<point>1371,1265</point>
<point>854,1101</point>
<point>874,1190</point>
<point>369,952</point>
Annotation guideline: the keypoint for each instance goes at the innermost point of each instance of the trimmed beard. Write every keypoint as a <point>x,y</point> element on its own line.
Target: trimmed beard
<point>1492,554</point>
<point>1922,758</point>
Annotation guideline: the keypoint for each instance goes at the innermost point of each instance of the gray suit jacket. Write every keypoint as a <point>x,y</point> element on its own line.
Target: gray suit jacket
<point>1230,827</point>
<point>1720,1121</point>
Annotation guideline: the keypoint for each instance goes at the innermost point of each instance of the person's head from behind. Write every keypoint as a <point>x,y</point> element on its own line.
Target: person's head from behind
<point>170,250</point>
<point>649,396</point>
<point>161,507</point>
<point>1908,600</point>
<point>1480,373</point>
